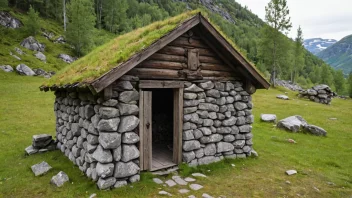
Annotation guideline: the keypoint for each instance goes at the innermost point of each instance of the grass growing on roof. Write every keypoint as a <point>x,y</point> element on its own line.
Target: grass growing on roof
<point>118,50</point>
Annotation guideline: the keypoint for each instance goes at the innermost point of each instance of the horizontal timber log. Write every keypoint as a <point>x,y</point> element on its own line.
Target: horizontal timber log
<point>172,50</point>
<point>162,65</point>
<point>209,73</point>
<point>168,57</point>
<point>180,51</point>
<point>207,59</point>
<point>221,79</point>
<point>160,84</point>
<point>192,37</point>
<point>215,67</point>
<point>149,73</point>
<point>182,42</point>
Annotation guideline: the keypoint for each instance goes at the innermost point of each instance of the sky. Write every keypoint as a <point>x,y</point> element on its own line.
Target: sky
<point>318,18</point>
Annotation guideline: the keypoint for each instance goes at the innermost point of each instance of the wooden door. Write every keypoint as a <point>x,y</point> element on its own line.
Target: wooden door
<point>145,130</point>
<point>145,127</point>
<point>178,125</point>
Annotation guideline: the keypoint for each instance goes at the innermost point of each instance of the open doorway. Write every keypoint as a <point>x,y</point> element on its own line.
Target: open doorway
<point>162,128</point>
<point>161,123</point>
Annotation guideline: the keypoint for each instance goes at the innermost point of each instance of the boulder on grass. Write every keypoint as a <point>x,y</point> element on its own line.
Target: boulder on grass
<point>66,58</point>
<point>9,21</point>
<point>292,123</point>
<point>59,179</point>
<point>283,97</point>
<point>6,68</point>
<point>40,56</point>
<point>23,69</point>
<point>315,130</point>
<point>32,44</point>
<point>268,117</point>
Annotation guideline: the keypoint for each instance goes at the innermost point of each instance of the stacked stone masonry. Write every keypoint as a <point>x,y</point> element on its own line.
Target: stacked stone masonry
<point>217,122</point>
<point>99,136</point>
<point>319,93</point>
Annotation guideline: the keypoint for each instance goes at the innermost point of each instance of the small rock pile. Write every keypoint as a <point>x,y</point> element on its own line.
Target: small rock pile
<point>319,93</point>
<point>41,143</point>
<point>32,44</point>
<point>24,70</point>
<point>9,21</point>
<point>288,84</point>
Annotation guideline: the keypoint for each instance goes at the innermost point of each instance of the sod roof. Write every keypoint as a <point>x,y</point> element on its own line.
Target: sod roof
<point>111,55</point>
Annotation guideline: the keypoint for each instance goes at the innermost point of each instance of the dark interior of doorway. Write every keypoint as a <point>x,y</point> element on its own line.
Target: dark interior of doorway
<point>162,127</point>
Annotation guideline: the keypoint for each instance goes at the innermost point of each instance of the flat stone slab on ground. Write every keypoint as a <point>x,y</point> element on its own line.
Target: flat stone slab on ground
<point>283,97</point>
<point>291,172</point>
<point>41,137</point>
<point>179,180</point>
<point>59,179</point>
<point>268,117</point>
<point>190,179</point>
<point>31,150</point>
<point>205,195</point>
<point>183,191</point>
<point>158,181</point>
<point>41,168</point>
<point>164,193</point>
<point>195,186</point>
<point>170,183</point>
<point>166,172</point>
<point>198,175</point>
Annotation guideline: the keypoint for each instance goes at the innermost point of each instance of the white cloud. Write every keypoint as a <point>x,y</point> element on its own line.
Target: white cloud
<point>318,18</point>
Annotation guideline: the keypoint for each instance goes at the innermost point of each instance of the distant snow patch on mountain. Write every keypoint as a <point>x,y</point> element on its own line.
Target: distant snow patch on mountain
<point>316,45</point>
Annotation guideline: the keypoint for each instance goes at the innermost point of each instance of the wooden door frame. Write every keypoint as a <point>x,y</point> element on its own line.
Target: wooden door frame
<point>145,159</point>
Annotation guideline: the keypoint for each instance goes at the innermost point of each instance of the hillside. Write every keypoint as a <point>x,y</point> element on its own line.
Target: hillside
<point>13,53</point>
<point>339,55</point>
<point>316,45</point>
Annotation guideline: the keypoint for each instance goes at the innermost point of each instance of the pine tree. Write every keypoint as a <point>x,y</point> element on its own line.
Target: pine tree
<point>299,55</point>
<point>32,23</point>
<point>81,22</point>
<point>115,15</point>
<point>277,21</point>
<point>350,85</point>
<point>339,81</point>
<point>326,75</point>
<point>54,9</point>
<point>3,3</point>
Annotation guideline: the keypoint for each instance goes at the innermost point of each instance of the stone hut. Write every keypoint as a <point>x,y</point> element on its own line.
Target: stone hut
<point>185,97</point>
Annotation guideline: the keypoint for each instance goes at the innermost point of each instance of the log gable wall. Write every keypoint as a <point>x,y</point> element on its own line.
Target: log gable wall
<point>178,61</point>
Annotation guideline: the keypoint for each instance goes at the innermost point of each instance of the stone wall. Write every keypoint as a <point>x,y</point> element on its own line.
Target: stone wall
<point>101,137</point>
<point>217,122</point>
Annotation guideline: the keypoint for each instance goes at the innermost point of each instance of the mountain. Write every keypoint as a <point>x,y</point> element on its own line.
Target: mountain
<point>316,45</point>
<point>339,55</point>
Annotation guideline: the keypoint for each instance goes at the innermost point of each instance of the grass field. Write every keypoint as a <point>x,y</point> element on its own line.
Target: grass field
<point>25,111</point>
